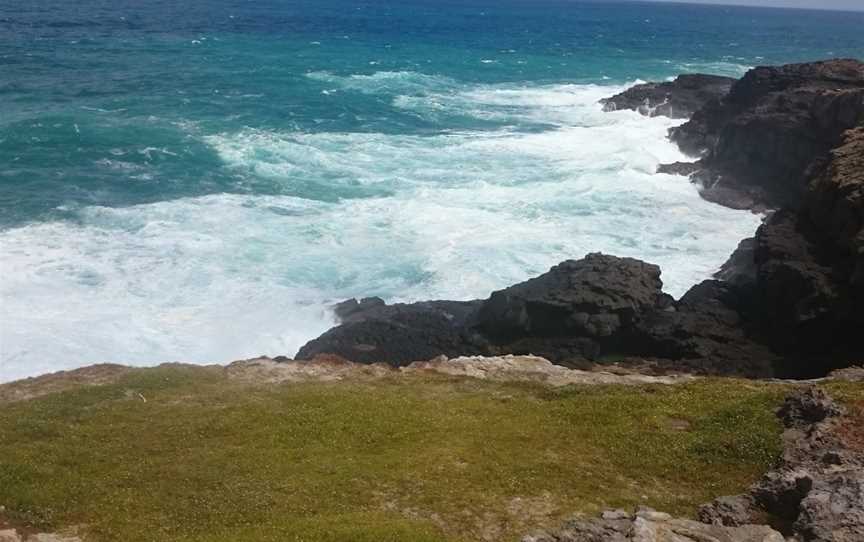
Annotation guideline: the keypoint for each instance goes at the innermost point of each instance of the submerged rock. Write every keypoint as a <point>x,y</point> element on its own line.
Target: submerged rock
<point>679,168</point>
<point>678,99</point>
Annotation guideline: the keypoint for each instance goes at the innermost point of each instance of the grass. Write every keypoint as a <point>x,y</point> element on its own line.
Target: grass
<point>409,459</point>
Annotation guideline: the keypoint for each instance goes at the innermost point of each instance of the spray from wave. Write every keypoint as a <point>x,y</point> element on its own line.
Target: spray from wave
<point>454,214</point>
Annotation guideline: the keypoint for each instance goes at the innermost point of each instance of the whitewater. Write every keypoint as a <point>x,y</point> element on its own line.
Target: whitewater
<point>454,215</point>
<point>200,181</point>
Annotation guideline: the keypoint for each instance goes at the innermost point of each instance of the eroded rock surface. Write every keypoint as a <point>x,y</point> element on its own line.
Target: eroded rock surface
<point>810,268</point>
<point>708,332</point>
<point>678,99</point>
<point>760,141</point>
<point>11,535</point>
<point>648,525</point>
<point>816,494</point>
<point>817,491</point>
<point>597,308</point>
<point>398,334</point>
<point>496,368</point>
<point>584,308</point>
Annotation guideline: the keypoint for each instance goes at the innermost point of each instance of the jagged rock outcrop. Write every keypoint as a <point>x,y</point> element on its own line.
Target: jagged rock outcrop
<point>600,307</point>
<point>760,142</point>
<point>709,333</point>
<point>398,334</point>
<point>808,286</point>
<point>817,492</point>
<point>678,99</point>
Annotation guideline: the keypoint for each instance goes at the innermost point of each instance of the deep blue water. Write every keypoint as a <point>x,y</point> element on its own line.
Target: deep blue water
<point>197,180</point>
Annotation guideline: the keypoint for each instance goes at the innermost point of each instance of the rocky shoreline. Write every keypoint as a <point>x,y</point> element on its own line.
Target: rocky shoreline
<point>789,303</point>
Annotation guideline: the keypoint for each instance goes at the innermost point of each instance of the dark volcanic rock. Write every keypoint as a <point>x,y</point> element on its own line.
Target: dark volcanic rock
<point>708,332</point>
<point>595,297</point>
<point>810,263</point>
<point>763,137</point>
<point>835,207</point>
<point>677,99</point>
<point>796,282</point>
<point>352,308</point>
<point>600,307</point>
<point>679,168</point>
<point>740,269</point>
<point>605,307</point>
<point>579,309</point>
<point>398,334</point>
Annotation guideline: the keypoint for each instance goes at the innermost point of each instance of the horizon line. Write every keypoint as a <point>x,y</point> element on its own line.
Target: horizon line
<point>736,4</point>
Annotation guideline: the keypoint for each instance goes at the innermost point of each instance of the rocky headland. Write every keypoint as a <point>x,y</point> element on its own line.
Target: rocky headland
<point>789,302</point>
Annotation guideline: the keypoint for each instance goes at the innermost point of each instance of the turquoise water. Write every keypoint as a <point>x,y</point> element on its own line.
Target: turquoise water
<point>198,181</point>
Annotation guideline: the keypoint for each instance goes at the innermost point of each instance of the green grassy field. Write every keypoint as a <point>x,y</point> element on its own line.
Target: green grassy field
<point>409,458</point>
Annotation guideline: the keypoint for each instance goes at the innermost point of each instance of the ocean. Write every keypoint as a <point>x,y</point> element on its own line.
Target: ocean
<point>199,181</point>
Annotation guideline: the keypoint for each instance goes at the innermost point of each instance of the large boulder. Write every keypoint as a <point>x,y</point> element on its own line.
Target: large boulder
<point>604,307</point>
<point>579,308</point>
<point>678,99</point>
<point>759,142</point>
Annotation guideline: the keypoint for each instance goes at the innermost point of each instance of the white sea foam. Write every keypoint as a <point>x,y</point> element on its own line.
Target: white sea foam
<point>728,68</point>
<point>453,215</point>
<point>403,81</point>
